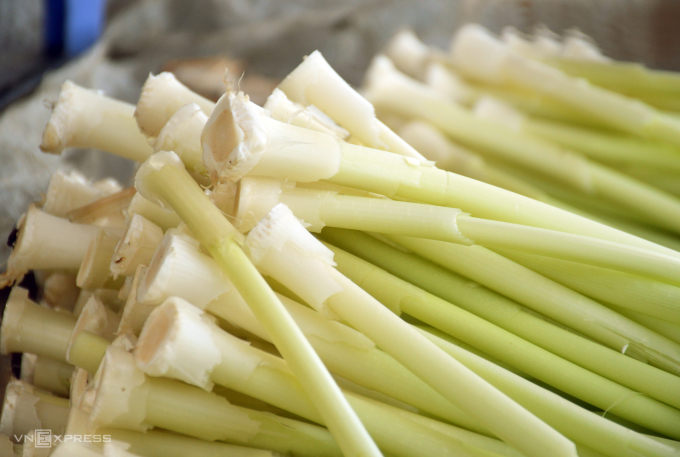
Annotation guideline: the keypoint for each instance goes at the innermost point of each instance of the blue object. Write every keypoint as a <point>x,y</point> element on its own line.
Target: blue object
<point>72,26</point>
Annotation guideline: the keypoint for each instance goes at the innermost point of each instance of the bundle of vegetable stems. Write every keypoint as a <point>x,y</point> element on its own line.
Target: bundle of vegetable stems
<point>489,267</point>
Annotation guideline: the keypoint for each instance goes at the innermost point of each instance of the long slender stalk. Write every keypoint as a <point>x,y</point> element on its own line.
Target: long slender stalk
<point>507,143</point>
<point>505,313</point>
<point>128,399</point>
<point>325,289</point>
<point>87,119</point>
<point>174,329</point>
<point>29,327</point>
<point>479,55</point>
<point>321,157</point>
<point>157,443</point>
<point>635,293</point>
<point>605,146</point>
<point>670,330</point>
<point>531,359</point>
<point>314,82</point>
<point>456,159</point>
<point>604,436</point>
<point>163,176</point>
<point>343,350</point>
<point>551,299</point>
<point>87,351</point>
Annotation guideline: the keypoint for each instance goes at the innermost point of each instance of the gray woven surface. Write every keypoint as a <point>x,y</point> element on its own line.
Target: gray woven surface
<point>273,35</point>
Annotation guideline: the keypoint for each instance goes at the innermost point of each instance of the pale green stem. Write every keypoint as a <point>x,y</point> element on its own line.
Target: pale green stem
<point>631,292</point>
<point>503,418</point>
<point>417,101</point>
<point>206,222</point>
<point>87,351</point>
<point>29,327</point>
<point>531,359</point>
<point>162,217</point>
<point>52,375</point>
<point>629,78</point>
<point>505,313</point>
<point>670,330</point>
<point>157,443</point>
<point>608,147</point>
<point>567,246</point>
<point>261,375</point>
<point>599,434</point>
<point>550,299</point>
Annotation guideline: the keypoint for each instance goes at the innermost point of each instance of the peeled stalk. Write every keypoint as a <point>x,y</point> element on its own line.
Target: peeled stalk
<point>84,118</point>
<point>173,330</point>
<point>60,290</point>
<point>136,247</point>
<point>329,292</point>
<point>45,242</point>
<point>636,293</point>
<point>128,399</point>
<point>509,143</point>
<point>164,178</point>
<point>94,271</point>
<point>529,358</point>
<point>162,217</point>
<point>26,408</point>
<point>87,351</point>
<point>480,56</point>
<point>585,427</point>
<point>284,110</point>
<point>106,211</point>
<point>96,319</point>
<point>29,327</point>
<point>314,82</point>
<point>670,330</point>
<point>182,134</point>
<point>456,159</point>
<point>161,97</point>
<point>321,157</point>
<point>52,376</point>
<point>70,191</point>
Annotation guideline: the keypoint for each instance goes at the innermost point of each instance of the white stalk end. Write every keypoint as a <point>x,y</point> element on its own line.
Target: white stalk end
<point>314,82</point>
<point>136,247</point>
<point>478,54</point>
<point>223,195</point>
<point>234,137</point>
<point>154,163</point>
<point>122,389</point>
<point>46,242</point>
<point>541,46</point>
<point>28,362</point>
<point>26,408</point>
<point>182,134</point>
<point>282,109</point>
<point>94,270</point>
<point>408,53</point>
<point>254,199</point>
<point>165,218</point>
<point>444,81</point>
<point>179,269</point>
<point>496,111</point>
<point>161,97</point>
<point>281,231</point>
<point>60,291</point>
<point>67,192</point>
<point>176,342</point>
<point>96,319</point>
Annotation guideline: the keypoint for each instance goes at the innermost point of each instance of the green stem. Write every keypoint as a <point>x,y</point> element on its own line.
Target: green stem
<point>212,229</point>
<point>509,348</point>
